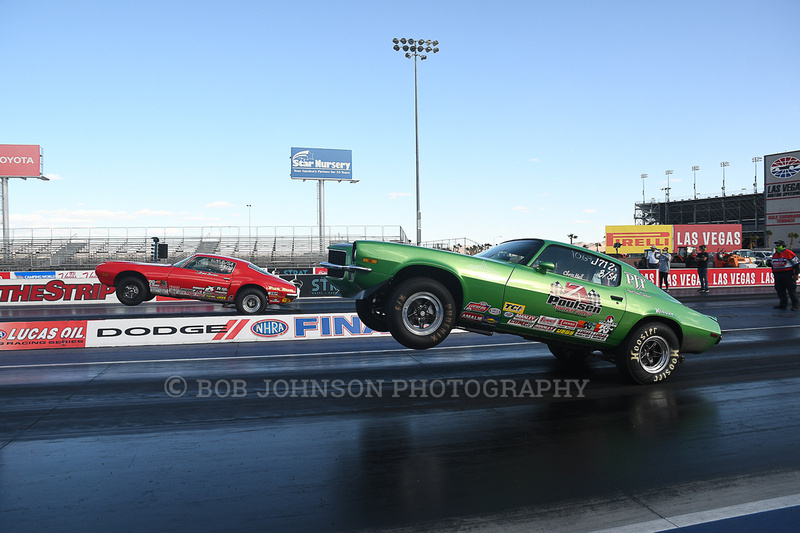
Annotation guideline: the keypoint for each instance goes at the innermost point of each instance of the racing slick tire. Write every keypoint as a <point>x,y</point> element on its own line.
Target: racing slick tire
<point>251,301</point>
<point>371,312</point>
<point>569,354</point>
<point>420,313</point>
<point>132,291</point>
<point>649,354</point>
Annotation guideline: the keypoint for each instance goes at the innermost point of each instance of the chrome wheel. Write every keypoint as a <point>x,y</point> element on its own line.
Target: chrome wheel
<point>422,313</point>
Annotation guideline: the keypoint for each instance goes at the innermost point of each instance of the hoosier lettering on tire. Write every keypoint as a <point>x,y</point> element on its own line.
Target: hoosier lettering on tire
<point>649,354</point>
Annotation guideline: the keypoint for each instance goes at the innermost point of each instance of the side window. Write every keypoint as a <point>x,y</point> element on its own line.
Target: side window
<point>212,265</point>
<point>582,265</point>
<point>198,263</point>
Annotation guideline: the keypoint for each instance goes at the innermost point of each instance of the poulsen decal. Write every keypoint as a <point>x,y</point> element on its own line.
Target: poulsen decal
<point>574,299</point>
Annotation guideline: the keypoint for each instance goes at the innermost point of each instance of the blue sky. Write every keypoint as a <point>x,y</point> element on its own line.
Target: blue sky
<point>536,118</point>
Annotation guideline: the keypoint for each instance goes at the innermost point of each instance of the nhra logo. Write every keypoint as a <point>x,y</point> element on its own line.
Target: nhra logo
<point>269,328</point>
<point>2,334</point>
<point>785,167</point>
<point>574,299</point>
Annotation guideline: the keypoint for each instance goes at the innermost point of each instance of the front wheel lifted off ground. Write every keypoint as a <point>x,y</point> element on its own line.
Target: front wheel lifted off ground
<point>420,313</point>
<point>649,354</point>
<point>132,291</point>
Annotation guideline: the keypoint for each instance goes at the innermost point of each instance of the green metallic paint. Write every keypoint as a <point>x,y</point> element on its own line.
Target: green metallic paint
<point>506,288</point>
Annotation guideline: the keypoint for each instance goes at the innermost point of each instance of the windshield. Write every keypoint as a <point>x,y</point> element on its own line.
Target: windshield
<point>182,262</point>
<point>518,252</point>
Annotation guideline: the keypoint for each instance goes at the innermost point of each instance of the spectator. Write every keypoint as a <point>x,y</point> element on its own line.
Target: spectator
<point>652,259</point>
<point>702,268</point>
<point>785,267</point>
<point>664,260</point>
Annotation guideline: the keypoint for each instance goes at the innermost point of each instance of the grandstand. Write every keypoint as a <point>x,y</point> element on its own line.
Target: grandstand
<point>272,247</point>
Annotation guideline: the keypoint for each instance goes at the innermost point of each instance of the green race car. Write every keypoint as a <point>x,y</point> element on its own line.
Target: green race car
<point>572,299</point>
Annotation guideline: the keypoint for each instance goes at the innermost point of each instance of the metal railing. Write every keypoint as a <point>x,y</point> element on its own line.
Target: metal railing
<point>268,246</point>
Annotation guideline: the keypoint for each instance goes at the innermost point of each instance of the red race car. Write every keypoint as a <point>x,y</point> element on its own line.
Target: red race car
<point>212,278</point>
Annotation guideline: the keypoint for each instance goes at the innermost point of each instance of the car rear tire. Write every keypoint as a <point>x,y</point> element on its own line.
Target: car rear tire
<point>132,291</point>
<point>649,354</point>
<point>371,312</point>
<point>251,301</point>
<point>420,313</point>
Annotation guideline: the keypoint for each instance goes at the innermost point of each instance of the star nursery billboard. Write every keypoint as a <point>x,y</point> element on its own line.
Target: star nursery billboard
<point>20,161</point>
<point>321,164</point>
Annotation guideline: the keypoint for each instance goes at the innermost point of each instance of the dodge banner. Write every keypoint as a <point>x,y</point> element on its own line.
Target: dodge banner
<point>180,330</point>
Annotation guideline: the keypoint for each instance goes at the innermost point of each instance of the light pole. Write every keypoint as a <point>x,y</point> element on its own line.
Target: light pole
<point>644,177</point>
<point>415,48</point>
<point>249,236</point>
<point>723,165</point>
<point>695,168</point>
<point>756,160</point>
<point>572,236</point>
<point>668,173</point>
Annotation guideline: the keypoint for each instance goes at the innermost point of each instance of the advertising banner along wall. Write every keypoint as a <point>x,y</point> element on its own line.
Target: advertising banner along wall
<point>636,239</point>
<point>179,330</point>
<point>20,161</point>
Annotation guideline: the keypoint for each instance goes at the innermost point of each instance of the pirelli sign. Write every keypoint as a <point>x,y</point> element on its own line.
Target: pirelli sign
<point>634,239</point>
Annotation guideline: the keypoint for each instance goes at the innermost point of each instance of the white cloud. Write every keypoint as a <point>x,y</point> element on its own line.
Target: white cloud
<point>149,213</point>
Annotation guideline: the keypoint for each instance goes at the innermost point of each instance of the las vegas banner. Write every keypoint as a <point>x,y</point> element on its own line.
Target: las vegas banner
<point>638,239</point>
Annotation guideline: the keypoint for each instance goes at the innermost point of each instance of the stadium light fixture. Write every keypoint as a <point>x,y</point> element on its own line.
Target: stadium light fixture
<point>416,49</point>
<point>756,160</point>
<point>644,177</point>
<point>668,173</point>
<point>723,165</point>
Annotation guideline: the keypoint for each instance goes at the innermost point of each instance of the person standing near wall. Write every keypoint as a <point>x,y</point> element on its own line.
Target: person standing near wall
<point>785,267</point>
<point>664,260</point>
<point>652,257</point>
<point>702,268</point>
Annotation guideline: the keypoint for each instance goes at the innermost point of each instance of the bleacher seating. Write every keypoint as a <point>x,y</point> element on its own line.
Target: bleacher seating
<point>271,247</point>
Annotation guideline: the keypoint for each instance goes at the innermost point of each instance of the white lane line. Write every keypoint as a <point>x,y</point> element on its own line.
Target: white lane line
<point>269,356</point>
<point>712,515</point>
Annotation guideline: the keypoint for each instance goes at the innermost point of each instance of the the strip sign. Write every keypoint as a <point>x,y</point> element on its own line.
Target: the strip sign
<point>321,164</point>
<point>82,287</point>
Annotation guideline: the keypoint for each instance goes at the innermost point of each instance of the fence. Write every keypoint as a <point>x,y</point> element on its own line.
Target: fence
<point>269,246</point>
